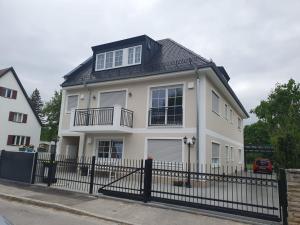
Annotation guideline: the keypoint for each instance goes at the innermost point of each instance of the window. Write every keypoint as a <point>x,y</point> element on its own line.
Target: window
<point>118,57</point>
<point>226,112</point>
<point>8,93</point>
<point>227,153</point>
<point>231,115</point>
<point>215,158</point>
<point>100,61</point>
<point>113,59</point>
<point>166,106</point>
<point>215,102</point>
<point>239,123</point>
<point>112,149</point>
<point>109,99</point>
<point>166,150</point>
<point>18,140</point>
<point>231,154</point>
<point>72,103</point>
<point>109,60</point>
<point>138,51</point>
<point>130,55</point>
<point>240,155</point>
<point>17,117</point>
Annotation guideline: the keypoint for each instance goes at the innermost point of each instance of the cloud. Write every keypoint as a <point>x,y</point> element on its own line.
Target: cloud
<point>257,41</point>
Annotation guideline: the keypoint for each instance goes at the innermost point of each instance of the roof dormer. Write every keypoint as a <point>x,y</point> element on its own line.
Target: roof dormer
<point>124,53</point>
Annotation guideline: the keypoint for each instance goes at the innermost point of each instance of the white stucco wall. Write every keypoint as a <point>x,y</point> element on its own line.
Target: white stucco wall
<point>32,128</point>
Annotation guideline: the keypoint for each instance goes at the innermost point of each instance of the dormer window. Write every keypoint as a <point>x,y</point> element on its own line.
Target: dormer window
<point>119,58</point>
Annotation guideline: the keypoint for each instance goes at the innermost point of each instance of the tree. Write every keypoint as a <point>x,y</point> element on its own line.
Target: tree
<point>51,111</point>
<point>281,115</point>
<point>257,134</point>
<point>37,103</point>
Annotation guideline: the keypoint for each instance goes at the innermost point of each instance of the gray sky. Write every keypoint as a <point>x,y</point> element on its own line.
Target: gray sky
<point>257,41</point>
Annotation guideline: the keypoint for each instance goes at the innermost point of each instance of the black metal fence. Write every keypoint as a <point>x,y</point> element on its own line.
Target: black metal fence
<point>225,189</point>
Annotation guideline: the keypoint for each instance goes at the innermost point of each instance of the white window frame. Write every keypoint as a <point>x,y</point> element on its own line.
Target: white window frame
<point>226,111</point>
<point>227,155</point>
<point>214,165</point>
<point>109,139</point>
<point>20,138</point>
<point>212,103</point>
<point>67,102</point>
<point>166,88</point>
<point>6,95</point>
<point>18,117</point>
<point>125,58</point>
<point>239,123</point>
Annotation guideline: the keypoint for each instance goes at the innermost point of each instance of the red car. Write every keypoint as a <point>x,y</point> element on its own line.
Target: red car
<point>262,166</point>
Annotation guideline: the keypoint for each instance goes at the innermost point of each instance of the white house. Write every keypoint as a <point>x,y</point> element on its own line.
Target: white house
<point>138,98</point>
<point>19,124</point>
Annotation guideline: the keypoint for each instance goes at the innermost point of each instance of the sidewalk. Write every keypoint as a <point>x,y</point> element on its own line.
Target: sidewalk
<point>122,210</point>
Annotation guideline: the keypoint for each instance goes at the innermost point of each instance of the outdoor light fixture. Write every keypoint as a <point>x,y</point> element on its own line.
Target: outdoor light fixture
<point>189,142</point>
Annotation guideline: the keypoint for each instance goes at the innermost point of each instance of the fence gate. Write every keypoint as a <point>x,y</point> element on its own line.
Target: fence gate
<point>225,189</point>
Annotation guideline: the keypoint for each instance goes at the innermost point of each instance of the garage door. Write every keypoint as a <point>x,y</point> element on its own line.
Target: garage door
<point>165,150</point>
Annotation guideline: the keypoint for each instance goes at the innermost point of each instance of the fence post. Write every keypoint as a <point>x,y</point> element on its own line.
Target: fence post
<point>283,196</point>
<point>50,173</point>
<point>35,157</point>
<point>147,180</point>
<point>92,175</point>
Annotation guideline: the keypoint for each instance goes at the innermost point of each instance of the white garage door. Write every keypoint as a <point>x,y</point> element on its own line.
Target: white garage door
<point>165,150</point>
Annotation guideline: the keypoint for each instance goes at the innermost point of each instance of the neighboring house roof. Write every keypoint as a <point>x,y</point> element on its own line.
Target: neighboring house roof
<point>172,57</point>
<point>3,72</point>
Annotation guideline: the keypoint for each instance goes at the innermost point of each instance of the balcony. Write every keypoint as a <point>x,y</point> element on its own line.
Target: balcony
<point>102,120</point>
<point>165,116</point>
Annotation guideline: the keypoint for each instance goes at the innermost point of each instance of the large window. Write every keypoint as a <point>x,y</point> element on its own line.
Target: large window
<point>119,58</point>
<point>215,102</point>
<point>8,93</point>
<point>18,140</point>
<point>109,148</point>
<point>215,158</point>
<point>166,106</point>
<point>72,102</point>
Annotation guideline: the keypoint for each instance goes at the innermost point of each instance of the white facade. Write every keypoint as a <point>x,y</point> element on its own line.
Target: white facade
<point>31,128</point>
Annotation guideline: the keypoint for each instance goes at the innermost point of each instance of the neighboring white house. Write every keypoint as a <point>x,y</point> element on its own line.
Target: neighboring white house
<point>19,125</point>
<point>138,98</point>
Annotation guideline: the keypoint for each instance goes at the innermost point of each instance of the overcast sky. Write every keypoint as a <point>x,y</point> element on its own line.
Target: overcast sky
<point>258,42</point>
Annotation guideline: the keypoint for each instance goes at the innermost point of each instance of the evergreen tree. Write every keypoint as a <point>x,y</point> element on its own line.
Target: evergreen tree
<point>37,103</point>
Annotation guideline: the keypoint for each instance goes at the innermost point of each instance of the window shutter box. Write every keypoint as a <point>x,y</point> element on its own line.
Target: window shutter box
<point>14,95</point>
<point>10,139</point>
<point>11,116</point>
<point>24,118</point>
<point>27,141</point>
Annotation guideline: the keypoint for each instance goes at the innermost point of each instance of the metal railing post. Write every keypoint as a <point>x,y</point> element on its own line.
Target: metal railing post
<point>283,196</point>
<point>92,175</point>
<point>50,173</point>
<point>147,180</point>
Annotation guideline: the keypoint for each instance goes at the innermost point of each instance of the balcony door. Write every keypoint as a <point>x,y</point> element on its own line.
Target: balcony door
<point>166,106</point>
<point>109,99</point>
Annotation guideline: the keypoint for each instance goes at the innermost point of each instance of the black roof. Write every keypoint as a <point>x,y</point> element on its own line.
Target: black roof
<point>171,57</point>
<point>3,72</point>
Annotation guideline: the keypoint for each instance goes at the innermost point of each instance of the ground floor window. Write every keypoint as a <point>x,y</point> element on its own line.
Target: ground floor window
<point>109,148</point>
<point>215,159</point>
<point>240,155</point>
<point>165,150</point>
<point>18,140</point>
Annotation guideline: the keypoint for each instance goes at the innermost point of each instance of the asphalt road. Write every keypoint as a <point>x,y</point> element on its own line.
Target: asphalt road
<point>22,214</point>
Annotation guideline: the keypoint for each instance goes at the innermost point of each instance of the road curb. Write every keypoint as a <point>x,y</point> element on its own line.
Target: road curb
<point>60,207</point>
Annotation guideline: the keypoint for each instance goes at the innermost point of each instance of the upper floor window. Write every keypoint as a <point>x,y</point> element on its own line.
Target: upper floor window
<point>215,102</point>
<point>8,93</point>
<point>226,112</point>
<point>166,106</point>
<point>17,117</point>
<point>72,102</point>
<point>119,58</point>
<point>239,123</point>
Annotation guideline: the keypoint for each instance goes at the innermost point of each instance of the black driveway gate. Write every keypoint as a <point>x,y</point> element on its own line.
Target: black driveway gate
<point>219,188</point>
<point>17,166</point>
